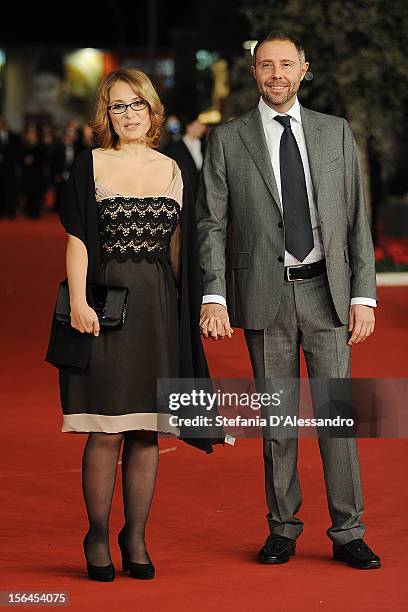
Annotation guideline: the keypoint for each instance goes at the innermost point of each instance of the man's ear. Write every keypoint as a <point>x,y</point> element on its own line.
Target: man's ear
<point>253,71</point>
<point>304,70</point>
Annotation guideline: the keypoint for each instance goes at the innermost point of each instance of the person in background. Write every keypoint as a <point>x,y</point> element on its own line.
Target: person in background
<point>65,154</point>
<point>75,129</point>
<point>171,132</point>
<point>88,139</point>
<point>31,168</point>
<point>9,153</point>
<point>188,150</point>
<point>49,148</point>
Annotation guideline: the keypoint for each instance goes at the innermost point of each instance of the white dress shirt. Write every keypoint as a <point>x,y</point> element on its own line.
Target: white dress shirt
<point>194,146</point>
<point>273,132</point>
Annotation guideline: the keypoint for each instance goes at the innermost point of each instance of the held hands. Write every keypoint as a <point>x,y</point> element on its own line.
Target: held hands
<point>361,323</point>
<point>214,321</point>
<point>84,319</point>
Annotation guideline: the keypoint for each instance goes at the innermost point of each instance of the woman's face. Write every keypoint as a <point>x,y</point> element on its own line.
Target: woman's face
<point>131,125</point>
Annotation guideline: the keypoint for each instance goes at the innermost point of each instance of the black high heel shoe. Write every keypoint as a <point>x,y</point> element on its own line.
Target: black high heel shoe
<point>142,571</point>
<point>103,573</point>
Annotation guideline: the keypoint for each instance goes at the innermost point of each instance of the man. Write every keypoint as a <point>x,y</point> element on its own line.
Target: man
<point>170,133</point>
<point>297,270</point>
<point>188,151</point>
<point>65,153</point>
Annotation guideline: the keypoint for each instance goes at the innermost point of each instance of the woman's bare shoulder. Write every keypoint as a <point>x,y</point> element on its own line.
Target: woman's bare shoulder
<point>100,153</point>
<point>166,160</point>
<point>100,158</point>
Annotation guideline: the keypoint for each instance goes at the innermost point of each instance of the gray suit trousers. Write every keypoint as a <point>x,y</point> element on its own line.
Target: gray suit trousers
<point>307,318</point>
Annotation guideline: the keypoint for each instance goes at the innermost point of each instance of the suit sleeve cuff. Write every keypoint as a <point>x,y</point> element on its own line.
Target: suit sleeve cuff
<point>214,299</point>
<point>364,301</point>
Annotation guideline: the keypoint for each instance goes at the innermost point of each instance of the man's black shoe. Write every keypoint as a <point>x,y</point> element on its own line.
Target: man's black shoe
<point>277,549</point>
<point>357,554</point>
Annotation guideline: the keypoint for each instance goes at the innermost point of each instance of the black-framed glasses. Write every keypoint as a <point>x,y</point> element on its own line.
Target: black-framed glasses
<point>121,107</point>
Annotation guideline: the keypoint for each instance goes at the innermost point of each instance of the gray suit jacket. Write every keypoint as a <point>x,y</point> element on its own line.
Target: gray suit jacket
<point>240,226</point>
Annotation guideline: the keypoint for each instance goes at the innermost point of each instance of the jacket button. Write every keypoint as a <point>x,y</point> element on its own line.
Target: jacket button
<point>280,224</point>
<point>280,258</point>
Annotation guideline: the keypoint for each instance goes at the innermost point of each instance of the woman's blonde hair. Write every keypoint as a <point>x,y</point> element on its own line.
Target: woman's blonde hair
<point>105,135</point>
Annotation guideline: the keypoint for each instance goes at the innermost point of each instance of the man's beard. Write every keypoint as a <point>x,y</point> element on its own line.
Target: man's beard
<point>279,99</point>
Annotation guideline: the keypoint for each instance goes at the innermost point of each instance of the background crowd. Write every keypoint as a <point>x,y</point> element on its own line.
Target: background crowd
<point>35,164</point>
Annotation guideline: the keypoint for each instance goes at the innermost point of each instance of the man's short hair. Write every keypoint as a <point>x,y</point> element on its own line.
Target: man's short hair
<point>186,119</point>
<point>280,35</point>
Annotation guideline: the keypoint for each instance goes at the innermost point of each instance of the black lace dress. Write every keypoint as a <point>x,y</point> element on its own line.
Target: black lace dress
<point>117,390</point>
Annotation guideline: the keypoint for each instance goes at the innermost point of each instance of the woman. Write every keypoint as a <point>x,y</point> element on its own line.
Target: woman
<point>127,212</point>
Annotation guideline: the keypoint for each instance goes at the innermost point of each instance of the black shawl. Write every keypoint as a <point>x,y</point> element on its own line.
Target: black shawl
<point>78,214</point>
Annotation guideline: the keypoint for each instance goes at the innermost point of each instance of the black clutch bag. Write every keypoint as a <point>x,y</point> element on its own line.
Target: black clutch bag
<point>108,301</point>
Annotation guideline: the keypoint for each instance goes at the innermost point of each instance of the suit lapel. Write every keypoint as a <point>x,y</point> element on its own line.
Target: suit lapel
<point>313,139</point>
<point>253,137</point>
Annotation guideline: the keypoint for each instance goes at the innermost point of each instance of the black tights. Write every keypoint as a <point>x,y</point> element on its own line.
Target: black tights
<point>139,467</point>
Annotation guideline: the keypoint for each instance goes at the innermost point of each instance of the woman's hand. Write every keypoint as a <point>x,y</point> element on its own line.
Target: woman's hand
<point>214,321</point>
<point>84,318</point>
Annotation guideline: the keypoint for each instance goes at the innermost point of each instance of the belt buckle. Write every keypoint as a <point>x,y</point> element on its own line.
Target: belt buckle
<point>292,280</point>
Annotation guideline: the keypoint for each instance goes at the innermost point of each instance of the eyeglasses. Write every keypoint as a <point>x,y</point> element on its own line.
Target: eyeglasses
<point>119,108</point>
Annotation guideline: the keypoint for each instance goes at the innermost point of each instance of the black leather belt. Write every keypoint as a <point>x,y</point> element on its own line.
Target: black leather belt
<point>303,272</point>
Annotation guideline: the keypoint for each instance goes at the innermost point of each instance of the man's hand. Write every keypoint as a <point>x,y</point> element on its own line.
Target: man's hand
<point>361,323</point>
<point>214,321</point>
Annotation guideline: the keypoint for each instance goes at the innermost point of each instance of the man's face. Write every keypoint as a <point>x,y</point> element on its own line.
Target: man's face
<point>69,136</point>
<point>278,72</point>
<point>196,129</point>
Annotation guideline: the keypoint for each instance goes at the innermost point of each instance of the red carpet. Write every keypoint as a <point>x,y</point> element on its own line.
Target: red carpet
<point>208,516</point>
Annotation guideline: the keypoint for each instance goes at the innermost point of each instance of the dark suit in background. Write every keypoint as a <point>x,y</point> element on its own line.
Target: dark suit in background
<point>188,151</point>
<point>180,153</point>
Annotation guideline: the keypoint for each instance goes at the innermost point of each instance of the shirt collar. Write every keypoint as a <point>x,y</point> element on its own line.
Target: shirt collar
<point>268,113</point>
<point>193,142</point>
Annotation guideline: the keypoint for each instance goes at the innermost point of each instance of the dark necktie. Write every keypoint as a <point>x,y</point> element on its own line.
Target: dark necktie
<point>295,203</point>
